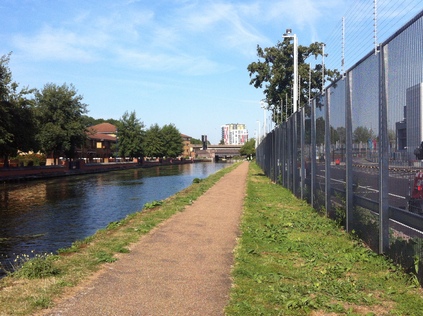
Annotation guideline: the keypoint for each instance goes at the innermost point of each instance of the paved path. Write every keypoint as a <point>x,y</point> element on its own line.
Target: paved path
<point>180,268</point>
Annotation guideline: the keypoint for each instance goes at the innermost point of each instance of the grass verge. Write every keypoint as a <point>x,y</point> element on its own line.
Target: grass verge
<point>292,261</point>
<point>42,281</point>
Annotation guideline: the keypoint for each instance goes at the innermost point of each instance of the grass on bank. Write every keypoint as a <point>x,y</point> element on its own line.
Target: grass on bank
<point>39,282</point>
<point>292,261</point>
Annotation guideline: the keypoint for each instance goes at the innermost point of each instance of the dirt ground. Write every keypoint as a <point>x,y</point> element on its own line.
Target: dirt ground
<point>180,268</point>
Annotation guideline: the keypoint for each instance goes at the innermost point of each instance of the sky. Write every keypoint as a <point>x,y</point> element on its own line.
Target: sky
<point>181,62</point>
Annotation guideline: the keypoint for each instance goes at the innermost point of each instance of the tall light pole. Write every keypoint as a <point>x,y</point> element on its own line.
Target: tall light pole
<point>323,68</point>
<point>289,34</point>
<point>258,137</point>
<point>264,118</point>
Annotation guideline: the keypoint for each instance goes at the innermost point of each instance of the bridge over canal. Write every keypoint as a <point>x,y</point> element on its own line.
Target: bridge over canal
<point>216,152</point>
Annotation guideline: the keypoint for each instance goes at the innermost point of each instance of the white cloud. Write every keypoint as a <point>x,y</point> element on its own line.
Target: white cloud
<point>59,44</point>
<point>191,38</point>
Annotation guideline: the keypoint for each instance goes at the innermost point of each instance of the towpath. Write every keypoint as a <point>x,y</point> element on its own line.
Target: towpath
<point>180,268</point>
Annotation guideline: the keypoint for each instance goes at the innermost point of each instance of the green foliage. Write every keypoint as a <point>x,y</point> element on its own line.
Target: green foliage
<point>196,141</point>
<point>39,266</point>
<point>104,257</point>
<point>16,112</point>
<point>130,136</point>
<point>153,204</point>
<point>362,134</point>
<point>275,71</point>
<point>153,144</point>
<point>249,148</point>
<point>90,121</point>
<point>31,159</point>
<point>196,180</point>
<point>172,141</point>
<point>59,110</point>
<point>163,141</point>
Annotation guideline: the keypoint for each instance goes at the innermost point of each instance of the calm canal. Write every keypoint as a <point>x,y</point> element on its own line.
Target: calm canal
<point>45,215</point>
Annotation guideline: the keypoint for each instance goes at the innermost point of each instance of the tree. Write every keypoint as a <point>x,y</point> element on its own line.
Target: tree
<point>249,148</point>
<point>362,134</point>
<point>90,121</point>
<point>275,72</point>
<point>196,141</point>
<point>17,124</point>
<point>130,136</point>
<point>172,141</point>
<point>59,110</point>
<point>153,142</point>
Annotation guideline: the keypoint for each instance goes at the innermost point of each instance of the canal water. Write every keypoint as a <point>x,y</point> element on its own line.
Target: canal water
<point>42,216</point>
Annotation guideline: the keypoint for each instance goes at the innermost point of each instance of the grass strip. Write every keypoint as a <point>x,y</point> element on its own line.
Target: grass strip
<point>38,283</point>
<point>292,261</point>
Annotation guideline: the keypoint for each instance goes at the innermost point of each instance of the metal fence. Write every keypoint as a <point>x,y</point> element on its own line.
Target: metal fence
<point>350,151</point>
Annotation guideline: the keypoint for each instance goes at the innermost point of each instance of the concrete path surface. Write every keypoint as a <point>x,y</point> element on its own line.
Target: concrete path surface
<point>180,268</point>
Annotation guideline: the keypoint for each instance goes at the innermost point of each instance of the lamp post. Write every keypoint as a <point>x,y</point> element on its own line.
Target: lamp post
<point>289,34</point>
<point>264,118</point>
<point>258,137</point>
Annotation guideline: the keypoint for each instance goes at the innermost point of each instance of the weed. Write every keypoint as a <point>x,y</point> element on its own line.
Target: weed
<point>196,180</point>
<point>104,257</point>
<point>152,204</point>
<point>38,266</point>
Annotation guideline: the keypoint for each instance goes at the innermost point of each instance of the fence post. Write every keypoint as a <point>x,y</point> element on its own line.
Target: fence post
<point>328,205</point>
<point>348,157</point>
<point>294,154</point>
<point>313,167</point>
<point>302,168</point>
<point>289,154</point>
<point>383,153</point>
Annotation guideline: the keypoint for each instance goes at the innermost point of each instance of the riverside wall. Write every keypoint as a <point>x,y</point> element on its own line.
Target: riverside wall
<point>67,168</point>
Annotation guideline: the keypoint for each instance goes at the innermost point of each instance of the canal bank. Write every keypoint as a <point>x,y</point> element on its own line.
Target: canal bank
<point>69,168</point>
<point>45,215</point>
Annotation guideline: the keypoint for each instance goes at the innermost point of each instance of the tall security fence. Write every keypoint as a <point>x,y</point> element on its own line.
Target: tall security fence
<point>351,152</point>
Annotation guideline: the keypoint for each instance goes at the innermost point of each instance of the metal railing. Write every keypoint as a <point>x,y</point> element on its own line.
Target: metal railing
<point>350,151</point>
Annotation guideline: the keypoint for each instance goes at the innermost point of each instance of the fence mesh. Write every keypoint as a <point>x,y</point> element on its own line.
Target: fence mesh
<point>350,153</point>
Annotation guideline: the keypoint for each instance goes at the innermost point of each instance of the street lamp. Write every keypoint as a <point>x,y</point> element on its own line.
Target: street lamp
<point>289,34</point>
<point>264,117</point>
<point>258,137</point>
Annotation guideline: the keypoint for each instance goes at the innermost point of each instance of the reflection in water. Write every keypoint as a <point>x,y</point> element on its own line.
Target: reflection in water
<point>46,215</point>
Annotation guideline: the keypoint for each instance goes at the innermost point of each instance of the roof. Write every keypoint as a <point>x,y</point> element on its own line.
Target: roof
<point>104,128</point>
<point>101,136</point>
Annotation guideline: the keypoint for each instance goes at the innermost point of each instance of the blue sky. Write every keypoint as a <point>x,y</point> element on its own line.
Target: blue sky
<point>175,61</point>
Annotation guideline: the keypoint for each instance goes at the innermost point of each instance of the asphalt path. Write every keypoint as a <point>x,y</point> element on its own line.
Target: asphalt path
<point>180,268</point>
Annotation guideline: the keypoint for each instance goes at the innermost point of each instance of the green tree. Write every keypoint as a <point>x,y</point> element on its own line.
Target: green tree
<point>249,148</point>
<point>275,71</point>
<point>62,129</point>
<point>153,142</point>
<point>90,121</point>
<point>130,136</point>
<point>320,130</point>
<point>17,124</point>
<point>172,141</point>
<point>196,141</point>
<point>362,134</point>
